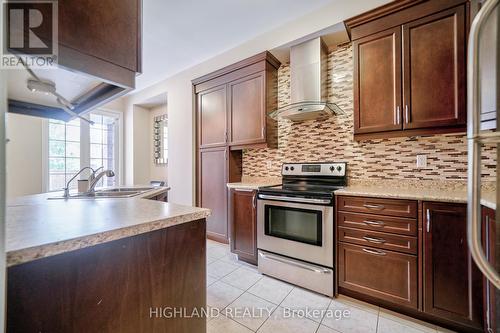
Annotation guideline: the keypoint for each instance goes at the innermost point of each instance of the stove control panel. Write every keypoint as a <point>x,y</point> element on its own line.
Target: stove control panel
<point>314,169</point>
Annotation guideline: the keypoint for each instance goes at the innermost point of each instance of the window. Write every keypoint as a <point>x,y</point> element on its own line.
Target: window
<point>165,143</point>
<point>102,145</point>
<point>76,144</point>
<point>64,152</point>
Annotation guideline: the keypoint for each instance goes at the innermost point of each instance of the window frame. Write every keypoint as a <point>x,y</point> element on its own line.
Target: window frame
<point>85,147</point>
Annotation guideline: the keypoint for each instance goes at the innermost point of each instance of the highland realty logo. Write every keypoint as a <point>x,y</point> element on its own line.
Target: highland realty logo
<point>29,34</point>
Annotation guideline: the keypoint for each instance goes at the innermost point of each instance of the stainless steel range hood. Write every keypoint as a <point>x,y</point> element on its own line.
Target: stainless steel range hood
<point>308,74</point>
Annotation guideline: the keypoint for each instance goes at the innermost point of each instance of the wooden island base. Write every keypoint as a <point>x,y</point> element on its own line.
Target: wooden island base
<point>124,285</point>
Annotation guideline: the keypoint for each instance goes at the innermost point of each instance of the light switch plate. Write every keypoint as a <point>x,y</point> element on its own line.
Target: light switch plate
<point>269,165</point>
<point>421,161</point>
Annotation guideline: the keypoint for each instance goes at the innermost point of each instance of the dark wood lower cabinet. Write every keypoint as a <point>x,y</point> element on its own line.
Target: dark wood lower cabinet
<point>413,257</point>
<point>212,193</point>
<point>243,224</point>
<point>119,286</point>
<point>383,274</point>
<point>490,247</point>
<point>452,282</point>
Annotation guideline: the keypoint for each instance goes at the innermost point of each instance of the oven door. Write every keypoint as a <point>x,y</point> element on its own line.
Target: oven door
<point>300,230</point>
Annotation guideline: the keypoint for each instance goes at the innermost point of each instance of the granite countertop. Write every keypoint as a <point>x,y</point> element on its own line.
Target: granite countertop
<point>430,190</point>
<point>38,228</point>
<point>249,186</point>
<point>443,191</point>
<point>253,183</point>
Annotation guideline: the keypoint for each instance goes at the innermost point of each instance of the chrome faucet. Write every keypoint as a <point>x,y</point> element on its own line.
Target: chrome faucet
<point>66,189</point>
<point>95,180</point>
<point>93,174</point>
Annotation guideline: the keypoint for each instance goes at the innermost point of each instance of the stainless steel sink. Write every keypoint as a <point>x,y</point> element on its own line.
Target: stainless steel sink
<point>126,189</point>
<point>118,192</point>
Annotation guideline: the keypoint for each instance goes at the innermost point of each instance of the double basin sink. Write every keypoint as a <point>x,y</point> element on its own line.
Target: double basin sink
<point>119,192</point>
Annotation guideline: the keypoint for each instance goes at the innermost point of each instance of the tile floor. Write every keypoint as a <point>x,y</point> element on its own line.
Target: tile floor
<point>251,302</point>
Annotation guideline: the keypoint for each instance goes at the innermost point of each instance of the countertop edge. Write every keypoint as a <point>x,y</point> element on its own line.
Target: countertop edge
<point>487,202</point>
<point>360,193</point>
<point>249,186</point>
<point>17,257</point>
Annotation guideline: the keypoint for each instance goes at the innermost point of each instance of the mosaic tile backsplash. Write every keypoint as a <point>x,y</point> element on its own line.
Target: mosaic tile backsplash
<point>331,139</point>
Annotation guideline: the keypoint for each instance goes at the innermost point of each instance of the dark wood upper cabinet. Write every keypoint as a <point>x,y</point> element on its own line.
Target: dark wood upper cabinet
<point>242,95</point>
<point>212,126</point>
<point>434,70</point>
<point>489,70</point>
<point>243,224</point>
<point>377,63</point>
<point>97,40</point>
<point>247,103</point>
<point>213,175</point>
<point>409,68</point>
<point>108,30</point>
<point>452,283</point>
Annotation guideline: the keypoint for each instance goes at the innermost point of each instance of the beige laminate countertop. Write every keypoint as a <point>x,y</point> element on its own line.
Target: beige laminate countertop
<point>37,227</point>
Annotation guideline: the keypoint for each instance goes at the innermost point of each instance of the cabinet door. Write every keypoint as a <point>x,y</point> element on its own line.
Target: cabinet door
<point>212,127</point>
<point>244,225</point>
<point>452,284</point>
<point>247,105</point>
<point>383,274</point>
<point>377,82</point>
<point>109,30</point>
<point>489,240</point>
<point>212,191</point>
<point>489,70</point>
<point>434,70</point>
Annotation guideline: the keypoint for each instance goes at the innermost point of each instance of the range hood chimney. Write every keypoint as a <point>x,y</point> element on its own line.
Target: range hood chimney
<point>308,73</point>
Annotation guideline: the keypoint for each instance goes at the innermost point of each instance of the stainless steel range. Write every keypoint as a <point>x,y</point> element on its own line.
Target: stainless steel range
<point>295,225</point>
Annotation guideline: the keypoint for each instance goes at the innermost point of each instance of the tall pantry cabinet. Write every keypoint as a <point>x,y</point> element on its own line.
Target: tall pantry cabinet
<point>232,113</point>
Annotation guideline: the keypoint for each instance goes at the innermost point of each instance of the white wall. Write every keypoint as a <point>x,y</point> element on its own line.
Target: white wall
<point>24,155</point>
<point>181,166</point>
<point>141,136</point>
<point>156,171</point>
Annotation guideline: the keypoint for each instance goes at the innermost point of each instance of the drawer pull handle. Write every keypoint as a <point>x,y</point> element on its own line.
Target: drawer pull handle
<point>376,252</point>
<point>378,207</point>
<point>374,223</point>
<point>374,240</point>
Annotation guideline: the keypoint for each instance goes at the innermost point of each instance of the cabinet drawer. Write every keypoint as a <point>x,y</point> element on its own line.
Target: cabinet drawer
<point>396,225</point>
<point>378,240</point>
<point>383,274</point>
<point>391,207</point>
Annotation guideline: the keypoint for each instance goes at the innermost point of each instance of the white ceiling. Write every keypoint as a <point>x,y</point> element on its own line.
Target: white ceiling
<point>181,34</point>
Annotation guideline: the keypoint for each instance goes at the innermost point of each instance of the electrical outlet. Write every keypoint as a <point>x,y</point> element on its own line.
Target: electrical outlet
<point>269,165</point>
<point>421,161</point>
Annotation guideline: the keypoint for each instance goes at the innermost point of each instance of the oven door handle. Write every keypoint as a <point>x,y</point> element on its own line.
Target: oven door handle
<point>308,267</point>
<point>294,199</point>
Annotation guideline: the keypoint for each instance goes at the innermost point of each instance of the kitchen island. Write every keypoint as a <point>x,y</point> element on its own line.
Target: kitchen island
<point>104,265</point>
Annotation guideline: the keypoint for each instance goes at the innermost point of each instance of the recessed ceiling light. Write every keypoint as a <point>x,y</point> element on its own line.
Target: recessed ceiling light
<point>44,87</point>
